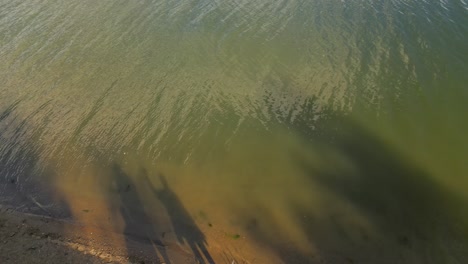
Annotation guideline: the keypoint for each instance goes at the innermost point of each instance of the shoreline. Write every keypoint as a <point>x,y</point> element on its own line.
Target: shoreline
<point>29,238</point>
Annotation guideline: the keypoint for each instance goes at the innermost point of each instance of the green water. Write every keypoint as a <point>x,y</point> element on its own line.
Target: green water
<point>330,131</point>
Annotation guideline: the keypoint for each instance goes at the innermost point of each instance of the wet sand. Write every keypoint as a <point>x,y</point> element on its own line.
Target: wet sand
<point>27,238</point>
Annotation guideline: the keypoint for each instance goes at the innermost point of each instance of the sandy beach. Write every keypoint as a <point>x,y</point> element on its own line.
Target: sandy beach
<point>28,238</point>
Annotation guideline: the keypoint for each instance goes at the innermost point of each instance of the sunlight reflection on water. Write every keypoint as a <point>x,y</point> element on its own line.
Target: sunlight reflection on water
<point>285,131</point>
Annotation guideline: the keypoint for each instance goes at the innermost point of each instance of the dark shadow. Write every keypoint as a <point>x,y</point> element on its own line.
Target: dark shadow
<point>415,218</point>
<point>32,209</point>
<point>139,227</point>
<point>25,184</point>
<point>387,187</point>
<point>183,224</point>
<point>287,252</point>
<point>411,211</point>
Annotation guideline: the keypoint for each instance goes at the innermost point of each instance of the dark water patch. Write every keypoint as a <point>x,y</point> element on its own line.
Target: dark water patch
<point>407,206</point>
<point>377,204</point>
<point>138,225</point>
<point>183,224</point>
<point>24,179</point>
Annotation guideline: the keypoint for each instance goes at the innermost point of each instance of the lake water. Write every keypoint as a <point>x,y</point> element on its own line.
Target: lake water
<point>243,131</point>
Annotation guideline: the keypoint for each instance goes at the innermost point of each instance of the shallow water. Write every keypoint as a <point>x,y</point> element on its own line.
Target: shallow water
<point>254,131</point>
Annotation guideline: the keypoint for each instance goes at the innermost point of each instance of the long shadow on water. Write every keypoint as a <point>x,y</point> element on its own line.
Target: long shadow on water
<point>183,224</point>
<point>417,219</point>
<point>139,226</point>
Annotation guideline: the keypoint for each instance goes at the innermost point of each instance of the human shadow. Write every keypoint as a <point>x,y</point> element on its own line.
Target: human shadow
<point>183,225</point>
<point>138,225</point>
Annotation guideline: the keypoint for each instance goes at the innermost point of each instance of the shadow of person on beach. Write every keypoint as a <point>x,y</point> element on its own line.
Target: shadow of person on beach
<point>138,226</point>
<point>183,225</point>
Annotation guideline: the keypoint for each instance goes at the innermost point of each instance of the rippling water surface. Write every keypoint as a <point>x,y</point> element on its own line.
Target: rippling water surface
<point>246,131</point>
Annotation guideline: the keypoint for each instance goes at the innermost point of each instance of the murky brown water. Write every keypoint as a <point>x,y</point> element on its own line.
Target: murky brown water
<point>247,131</point>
